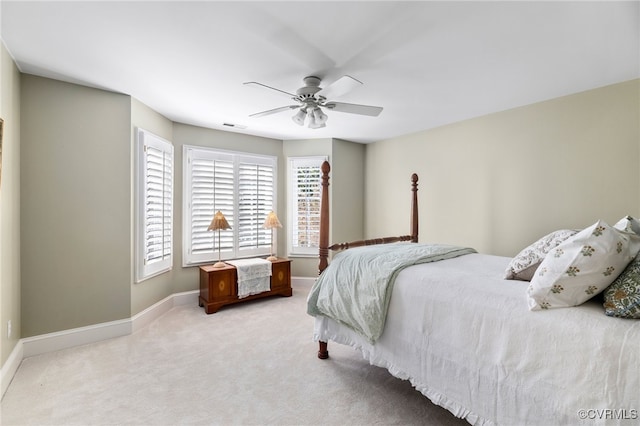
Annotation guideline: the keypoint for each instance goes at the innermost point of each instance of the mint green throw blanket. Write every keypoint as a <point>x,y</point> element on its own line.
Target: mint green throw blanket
<point>356,287</point>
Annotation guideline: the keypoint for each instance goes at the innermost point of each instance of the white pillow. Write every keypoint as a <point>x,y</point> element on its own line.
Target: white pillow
<point>524,264</point>
<point>581,267</point>
<point>628,224</point>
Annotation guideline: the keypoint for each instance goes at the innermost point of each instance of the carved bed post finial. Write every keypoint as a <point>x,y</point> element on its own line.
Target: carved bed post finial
<point>414,208</point>
<point>324,218</point>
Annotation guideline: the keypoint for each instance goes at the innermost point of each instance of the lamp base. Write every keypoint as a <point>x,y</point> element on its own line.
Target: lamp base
<point>219,264</point>
<point>272,258</point>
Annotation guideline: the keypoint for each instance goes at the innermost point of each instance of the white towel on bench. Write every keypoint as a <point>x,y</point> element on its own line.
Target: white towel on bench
<point>254,276</point>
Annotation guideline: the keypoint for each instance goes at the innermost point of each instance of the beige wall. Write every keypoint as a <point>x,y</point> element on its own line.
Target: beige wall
<point>347,183</point>
<point>75,206</point>
<point>498,182</point>
<point>9,205</point>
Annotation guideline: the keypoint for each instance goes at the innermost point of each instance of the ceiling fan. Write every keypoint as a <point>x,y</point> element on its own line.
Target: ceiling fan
<point>311,99</point>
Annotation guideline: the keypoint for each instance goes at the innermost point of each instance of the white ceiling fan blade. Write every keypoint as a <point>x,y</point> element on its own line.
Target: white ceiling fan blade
<point>274,111</point>
<point>372,111</point>
<point>255,83</point>
<point>340,87</point>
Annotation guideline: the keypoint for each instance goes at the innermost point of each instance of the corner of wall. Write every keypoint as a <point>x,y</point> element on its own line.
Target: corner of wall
<point>10,217</point>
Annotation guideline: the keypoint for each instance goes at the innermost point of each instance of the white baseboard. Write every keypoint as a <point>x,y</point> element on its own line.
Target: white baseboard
<point>11,366</point>
<point>307,281</point>
<point>155,311</point>
<point>59,340</point>
<point>36,345</point>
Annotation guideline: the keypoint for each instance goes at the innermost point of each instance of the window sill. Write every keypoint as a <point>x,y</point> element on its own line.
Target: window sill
<point>302,256</point>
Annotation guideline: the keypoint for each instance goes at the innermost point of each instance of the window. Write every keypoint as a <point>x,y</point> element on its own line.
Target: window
<point>154,205</point>
<point>304,204</point>
<point>243,187</point>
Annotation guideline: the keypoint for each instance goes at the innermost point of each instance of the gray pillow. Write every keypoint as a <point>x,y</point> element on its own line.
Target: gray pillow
<point>524,265</point>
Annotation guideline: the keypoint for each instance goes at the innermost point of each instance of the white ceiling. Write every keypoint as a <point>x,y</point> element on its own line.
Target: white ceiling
<point>427,63</point>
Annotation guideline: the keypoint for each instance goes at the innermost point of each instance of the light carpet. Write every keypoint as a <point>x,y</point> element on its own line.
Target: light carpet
<point>252,364</point>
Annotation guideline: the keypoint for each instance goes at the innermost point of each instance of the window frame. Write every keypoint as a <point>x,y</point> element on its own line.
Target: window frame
<point>143,269</point>
<point>292,164</point>
<point>189,258</point>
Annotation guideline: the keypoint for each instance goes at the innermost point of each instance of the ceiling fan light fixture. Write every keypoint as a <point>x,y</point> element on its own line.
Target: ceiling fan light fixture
<point>313,122</point>
<point>320,117</point>
<point>299,117</point>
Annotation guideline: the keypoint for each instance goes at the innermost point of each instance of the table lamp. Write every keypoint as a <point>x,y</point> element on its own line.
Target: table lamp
<point>272,222</point>
<point>217,223</point>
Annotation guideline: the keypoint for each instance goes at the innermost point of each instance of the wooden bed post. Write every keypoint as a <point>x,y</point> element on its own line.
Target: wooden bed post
<point>323,244</point>
<point>414,208</point>
<point>324,218</point>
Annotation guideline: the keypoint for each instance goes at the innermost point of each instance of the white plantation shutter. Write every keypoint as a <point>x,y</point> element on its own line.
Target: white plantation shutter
<point>158,196</point>
<point>154,204</point>
<point>255,201</point>
<point>212,190</point>
<point>242,187</point>
<point>304,204</point>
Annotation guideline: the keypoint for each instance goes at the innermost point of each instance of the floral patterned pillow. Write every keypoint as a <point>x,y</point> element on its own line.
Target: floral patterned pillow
<point>524,265</point>
<point>582,267</point>
<point>622,297</point>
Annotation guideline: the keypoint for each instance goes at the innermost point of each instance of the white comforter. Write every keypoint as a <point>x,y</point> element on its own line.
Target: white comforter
<point>466,339</point>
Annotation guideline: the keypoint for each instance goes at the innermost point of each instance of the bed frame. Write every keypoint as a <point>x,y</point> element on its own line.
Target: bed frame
<point>324,246</point>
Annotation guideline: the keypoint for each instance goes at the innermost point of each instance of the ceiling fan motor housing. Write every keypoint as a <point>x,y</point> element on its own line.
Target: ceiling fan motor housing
<point>307,93</point>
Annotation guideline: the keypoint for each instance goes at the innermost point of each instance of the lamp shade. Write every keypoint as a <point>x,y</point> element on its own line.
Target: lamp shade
<point>272,221</point>
<point>218,222</point>
<point>321,117</point>
<point>299,117</point>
